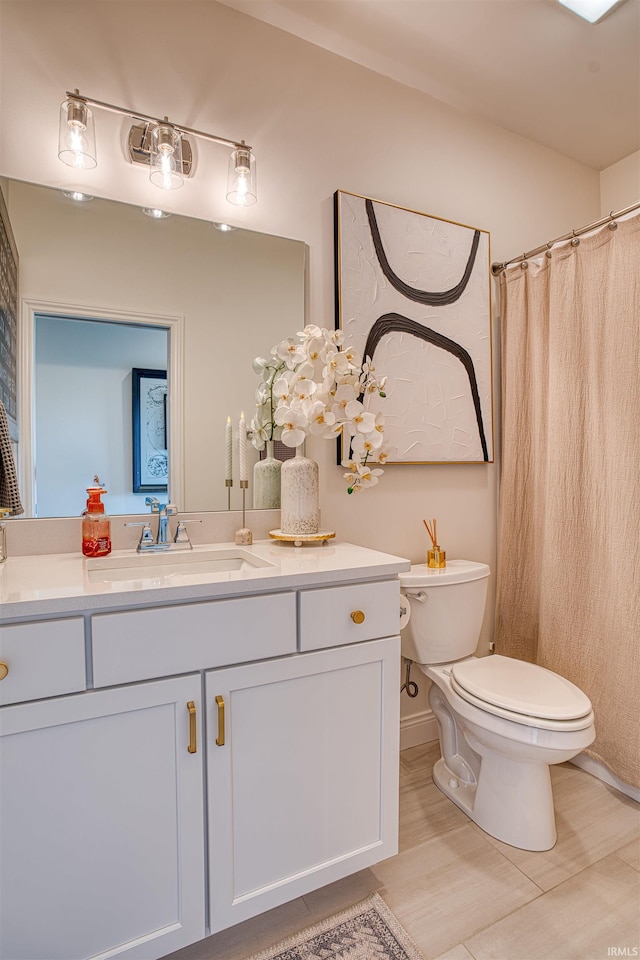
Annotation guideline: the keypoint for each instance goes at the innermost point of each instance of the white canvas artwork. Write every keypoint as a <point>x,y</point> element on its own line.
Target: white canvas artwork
<point>413,293</point>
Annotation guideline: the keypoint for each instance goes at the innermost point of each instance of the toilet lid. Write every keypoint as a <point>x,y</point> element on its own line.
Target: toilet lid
<point>519,687</point>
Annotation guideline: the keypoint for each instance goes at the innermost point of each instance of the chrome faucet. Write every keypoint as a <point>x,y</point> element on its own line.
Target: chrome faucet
<point>147,543</point>
<point>164,511</point>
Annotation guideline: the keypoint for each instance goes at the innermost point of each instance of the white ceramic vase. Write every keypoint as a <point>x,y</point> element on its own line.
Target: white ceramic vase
<point>266,481</point>
<point>300,496</point>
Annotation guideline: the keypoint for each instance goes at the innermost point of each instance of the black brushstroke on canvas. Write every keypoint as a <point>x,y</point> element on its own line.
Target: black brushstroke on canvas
<point>396,323</point>
<point>420,296</point>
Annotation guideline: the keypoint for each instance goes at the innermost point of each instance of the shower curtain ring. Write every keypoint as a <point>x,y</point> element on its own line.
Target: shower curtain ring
<point>613,224</point>
<point>523,263</point>
<point>547,252</point>
<point>576,240</point>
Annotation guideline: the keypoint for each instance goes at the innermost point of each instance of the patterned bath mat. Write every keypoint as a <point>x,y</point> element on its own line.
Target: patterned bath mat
<point>366,931</point>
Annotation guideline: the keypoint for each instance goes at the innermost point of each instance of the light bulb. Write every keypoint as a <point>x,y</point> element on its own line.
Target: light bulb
<point>76,140</point>
<point>166,157</point>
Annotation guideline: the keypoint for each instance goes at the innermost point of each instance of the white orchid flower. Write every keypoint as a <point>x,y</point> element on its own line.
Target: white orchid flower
<point>337,364</point>
<point>344,395</point>
<point>259,364</point>
<point>369,476</point>
<point>292,421</point>
<point>360,419</point>
<point>364,445</point>
<point>310,332</point>
<point>291,352</point>
<point>282,392</point>
<point>321,421</point>
<point>303,388</point>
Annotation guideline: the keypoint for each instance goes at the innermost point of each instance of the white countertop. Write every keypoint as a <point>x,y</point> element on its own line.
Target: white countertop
<point>49,584</point>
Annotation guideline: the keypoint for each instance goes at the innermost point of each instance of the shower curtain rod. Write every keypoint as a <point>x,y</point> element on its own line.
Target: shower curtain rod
<point>497,268</point>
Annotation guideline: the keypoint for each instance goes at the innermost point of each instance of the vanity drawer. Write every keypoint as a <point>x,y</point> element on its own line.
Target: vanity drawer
<point>43,658</point>
<point>161,642</point>
<point>329,617</point>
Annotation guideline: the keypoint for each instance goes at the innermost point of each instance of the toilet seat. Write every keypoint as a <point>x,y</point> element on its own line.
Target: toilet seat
<point>522,692</point>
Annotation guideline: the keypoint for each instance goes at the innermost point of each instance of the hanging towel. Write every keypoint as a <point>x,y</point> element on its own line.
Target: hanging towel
<point>9,493</point>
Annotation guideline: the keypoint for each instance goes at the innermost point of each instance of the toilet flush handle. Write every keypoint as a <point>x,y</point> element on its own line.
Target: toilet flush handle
<point>421,596</point>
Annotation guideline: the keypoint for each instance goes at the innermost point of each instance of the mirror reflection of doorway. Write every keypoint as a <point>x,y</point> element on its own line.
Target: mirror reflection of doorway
<point>83,409</point>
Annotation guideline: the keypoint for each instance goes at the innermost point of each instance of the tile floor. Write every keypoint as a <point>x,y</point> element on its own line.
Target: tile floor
<point>462,895</point>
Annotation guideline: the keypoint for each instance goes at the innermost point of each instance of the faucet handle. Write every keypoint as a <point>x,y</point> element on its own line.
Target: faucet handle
<point>146,537</point>
<point>171,509</point>
<point>182,535</point>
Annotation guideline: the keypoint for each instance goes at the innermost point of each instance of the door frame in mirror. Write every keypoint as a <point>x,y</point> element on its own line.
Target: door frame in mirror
<point>174,325</point>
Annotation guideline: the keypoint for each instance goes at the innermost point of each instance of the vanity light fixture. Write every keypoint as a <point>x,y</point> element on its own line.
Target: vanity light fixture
<point>159,144</point>
<point>224,227</point>
<point>592,10</point>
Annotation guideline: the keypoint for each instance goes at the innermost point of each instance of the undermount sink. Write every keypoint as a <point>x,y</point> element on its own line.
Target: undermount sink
<point>177,568</point>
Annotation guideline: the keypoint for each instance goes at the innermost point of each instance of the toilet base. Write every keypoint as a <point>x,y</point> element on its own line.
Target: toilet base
<point>511,802</point>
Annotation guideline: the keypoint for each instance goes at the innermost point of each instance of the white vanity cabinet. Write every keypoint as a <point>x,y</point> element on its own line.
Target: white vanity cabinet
<point>175,762</point>
<point>101,823</point>
<point>302,760</point>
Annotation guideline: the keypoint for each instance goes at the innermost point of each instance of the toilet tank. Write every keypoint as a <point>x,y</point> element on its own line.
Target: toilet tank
<point>446,611</point>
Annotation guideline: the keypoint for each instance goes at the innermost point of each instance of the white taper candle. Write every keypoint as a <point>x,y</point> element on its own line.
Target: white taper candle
<point>228,448</point>
<point>242,448</point>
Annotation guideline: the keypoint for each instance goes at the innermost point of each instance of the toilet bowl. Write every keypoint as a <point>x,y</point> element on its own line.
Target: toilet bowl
<point>501,722</point>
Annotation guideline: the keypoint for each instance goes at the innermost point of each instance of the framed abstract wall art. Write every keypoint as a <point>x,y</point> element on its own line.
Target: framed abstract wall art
<point>413,293</point>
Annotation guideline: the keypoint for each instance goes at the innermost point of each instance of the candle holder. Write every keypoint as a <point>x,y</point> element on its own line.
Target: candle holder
<point>228,484</point>
<point>244,537</point>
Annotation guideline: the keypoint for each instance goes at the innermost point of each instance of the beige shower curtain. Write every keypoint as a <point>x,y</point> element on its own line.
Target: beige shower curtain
<point>569,521</point>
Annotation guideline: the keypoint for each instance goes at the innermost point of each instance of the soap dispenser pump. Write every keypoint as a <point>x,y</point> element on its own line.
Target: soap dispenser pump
<point>96,526</point>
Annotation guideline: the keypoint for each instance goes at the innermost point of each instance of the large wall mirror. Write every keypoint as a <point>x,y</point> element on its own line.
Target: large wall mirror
<point>105,291</point>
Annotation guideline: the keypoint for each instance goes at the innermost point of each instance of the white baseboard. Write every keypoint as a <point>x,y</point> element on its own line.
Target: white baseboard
<point>597,769</point>
<point>418,728</point>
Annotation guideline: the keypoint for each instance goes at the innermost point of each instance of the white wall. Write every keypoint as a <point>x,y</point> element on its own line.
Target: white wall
<point>620,184</point>
<point>83,411</point>
<point>318,123</point>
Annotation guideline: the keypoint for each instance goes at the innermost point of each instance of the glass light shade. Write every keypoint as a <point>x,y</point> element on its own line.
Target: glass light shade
<point>155,213</point>
<point>166,157</point>
<point>77,196</point>
<point>241,182</point>
<point>77,138</point>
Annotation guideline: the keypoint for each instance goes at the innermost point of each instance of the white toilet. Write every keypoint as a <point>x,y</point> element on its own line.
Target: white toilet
<point>501,721</point>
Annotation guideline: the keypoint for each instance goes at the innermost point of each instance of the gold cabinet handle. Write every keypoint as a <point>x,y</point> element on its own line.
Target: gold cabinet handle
<point>220,737</point>
<point>358,616</point>
<point>193,746</point>
<point>4,670</point>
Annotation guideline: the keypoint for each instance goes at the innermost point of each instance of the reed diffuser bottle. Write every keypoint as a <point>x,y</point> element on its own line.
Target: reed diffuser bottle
<point>436,558</point>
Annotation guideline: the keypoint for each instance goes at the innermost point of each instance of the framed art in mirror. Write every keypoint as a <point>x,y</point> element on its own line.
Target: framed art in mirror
<point>413,295</point>
<point>149,410</point>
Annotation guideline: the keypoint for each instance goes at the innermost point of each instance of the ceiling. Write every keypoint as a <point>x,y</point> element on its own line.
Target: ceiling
<point>530,66</point>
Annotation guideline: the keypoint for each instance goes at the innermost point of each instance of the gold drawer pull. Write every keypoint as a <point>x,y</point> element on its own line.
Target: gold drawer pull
<point>358,616</point>
<point>220,737</point>
<point>193,746</point>
<point>4,670</point>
